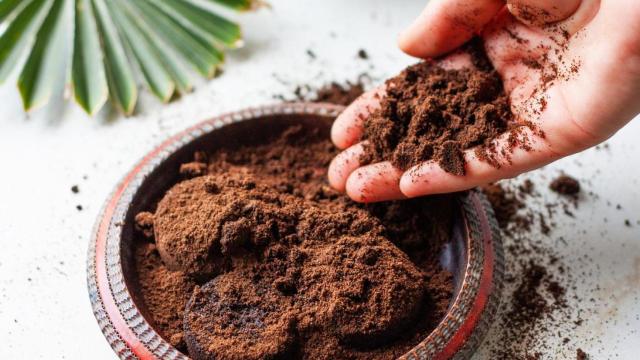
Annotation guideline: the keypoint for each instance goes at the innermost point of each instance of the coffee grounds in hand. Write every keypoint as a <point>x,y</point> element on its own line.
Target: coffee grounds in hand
<point>429,113</point>
<point>287,267</point>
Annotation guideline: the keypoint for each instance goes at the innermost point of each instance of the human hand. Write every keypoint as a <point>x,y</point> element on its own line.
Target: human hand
<point>582,109</point>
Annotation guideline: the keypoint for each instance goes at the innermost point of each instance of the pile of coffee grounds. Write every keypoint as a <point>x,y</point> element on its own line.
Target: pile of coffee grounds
<point>431,113</point>
<point>254,256</point>
<point>565,185</point>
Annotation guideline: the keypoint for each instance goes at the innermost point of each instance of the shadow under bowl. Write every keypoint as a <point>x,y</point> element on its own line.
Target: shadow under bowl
<point>473,255</point>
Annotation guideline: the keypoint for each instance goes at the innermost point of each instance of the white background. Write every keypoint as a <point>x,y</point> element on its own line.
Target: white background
<point>44,307</point>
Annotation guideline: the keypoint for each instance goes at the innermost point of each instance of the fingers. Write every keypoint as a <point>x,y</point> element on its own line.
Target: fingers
<point>343,165</point>
<point>376,182</point>
<point>603,96</point>
<point>369,183</point>
<point>540,12</point>
<point>347,128</point>
<point>582,16</point>
<point>445,25</point>
<point>429,178</point>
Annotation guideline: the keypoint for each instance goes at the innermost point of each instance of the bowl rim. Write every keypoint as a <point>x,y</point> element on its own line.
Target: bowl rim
<point>132,337</point>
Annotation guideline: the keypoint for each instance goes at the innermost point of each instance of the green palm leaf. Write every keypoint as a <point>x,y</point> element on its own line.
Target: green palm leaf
<point>110,40</point>
<point>173,65</point>
<point>240,5</point>
<point>156,76</point>
<point>122,85</point>
<point>214,28</point>
<point>36,80</point>
<point>88,78</point>
<point>203,56</point>
<point>17,35</point>
<point>8,6</point>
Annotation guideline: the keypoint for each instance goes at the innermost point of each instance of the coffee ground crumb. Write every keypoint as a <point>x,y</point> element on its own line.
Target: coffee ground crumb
<point>144,223</point>
<point>311,54</point>
<point>581,355</point>
<point>565,185</point>
<point>193,169</point>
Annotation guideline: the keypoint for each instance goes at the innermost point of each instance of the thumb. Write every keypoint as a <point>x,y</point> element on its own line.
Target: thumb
<point>540,12</point>
<point>444,25</point>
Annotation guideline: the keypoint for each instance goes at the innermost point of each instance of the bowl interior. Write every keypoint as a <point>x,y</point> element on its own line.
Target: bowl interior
<point>453,257</point>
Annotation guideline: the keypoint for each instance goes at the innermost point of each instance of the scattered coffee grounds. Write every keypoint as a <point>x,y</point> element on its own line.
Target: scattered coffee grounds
<point>565,185</point>
<point>429,113</point>
<point>257,257</point>
<point>535,306</point>
<point>75,189</point>
<point>338,93</point>
<point>362,54</point>
<point>506,206</point>
<point>335,93</point>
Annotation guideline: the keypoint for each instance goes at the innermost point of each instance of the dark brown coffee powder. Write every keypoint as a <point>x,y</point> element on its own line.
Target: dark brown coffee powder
<point>429,113</point>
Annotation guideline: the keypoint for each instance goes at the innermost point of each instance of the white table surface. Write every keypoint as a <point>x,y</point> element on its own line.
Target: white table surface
<point>44,307</point>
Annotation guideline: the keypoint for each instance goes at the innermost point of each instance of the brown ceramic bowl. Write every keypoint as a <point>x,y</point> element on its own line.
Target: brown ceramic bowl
<point>474,254</point>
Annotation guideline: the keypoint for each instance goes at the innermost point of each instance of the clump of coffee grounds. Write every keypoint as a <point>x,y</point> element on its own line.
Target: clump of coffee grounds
<point>565,185</point>
<point>430,113</point>
<point>581,355</point>
<point>276,264</point>
<point>536,279</point>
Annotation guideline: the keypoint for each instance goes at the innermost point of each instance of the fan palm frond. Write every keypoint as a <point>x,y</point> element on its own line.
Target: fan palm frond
<point>163,38</point>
